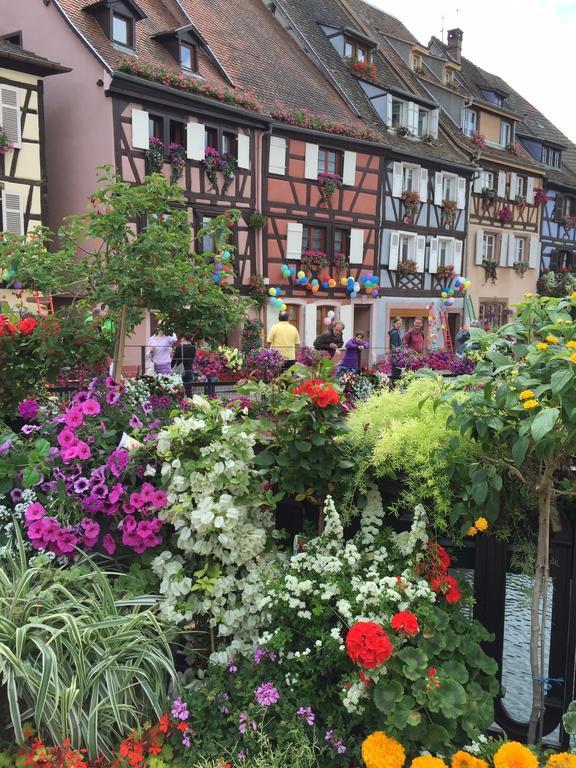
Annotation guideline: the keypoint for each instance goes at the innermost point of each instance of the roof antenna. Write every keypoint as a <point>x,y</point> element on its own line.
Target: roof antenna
<point>442,30</point>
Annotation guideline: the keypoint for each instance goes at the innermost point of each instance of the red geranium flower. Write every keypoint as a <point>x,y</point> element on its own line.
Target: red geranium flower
<point>368,644</point>
<point>27,326</point>
<point>320,392</point>
<point>405,622</point>
<point>447,586</point>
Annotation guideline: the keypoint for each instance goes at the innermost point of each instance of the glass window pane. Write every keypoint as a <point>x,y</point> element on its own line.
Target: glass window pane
<point>348,50</point>
<point>120,29</point>
<point>322,161</point>
<point>186,56</point>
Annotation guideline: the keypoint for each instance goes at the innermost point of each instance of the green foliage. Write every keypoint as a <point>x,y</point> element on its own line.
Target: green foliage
<point>251,336</point>
<point>78,662</point>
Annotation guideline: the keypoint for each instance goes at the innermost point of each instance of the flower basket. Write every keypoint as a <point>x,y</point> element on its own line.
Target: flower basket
<point>258,292</point>
<point>328,183</point>
<point>505,214</point>
<point>490,268</point>
<point>489,195</point>
<point>407,267</point>
<point>177,162</point>
<point>448,212</point>
<point>447,272</point>
<point>215,163</point>
<point>520,267</point>
<point>313,261</point>
<point>257,221</point>
<point>541,198</point>
<point>5,143</point>
<point>411,202</point>
<point>478,139</point>
<point>340,262</point>
<point>364,69</point>
<point>520,201</point>
<point>568,222</point>
<point>403,131</point>
<point>428,138</point>
<point>155,155</point>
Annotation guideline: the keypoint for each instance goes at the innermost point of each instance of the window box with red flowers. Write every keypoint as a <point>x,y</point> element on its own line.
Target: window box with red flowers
<point>447,272</point>
<point>313,261</point>
<point>568,222</point>
<point>541,198</point>
<point>364,69</point>
<point>408,267</point>
<point>505,214</point>
<point>449,208</point>
<point>490,270</point>
<point>478,139</point>
<point>329,183</point>
<point>155,155</point>
<point>520,202</point>
<point>411,202</point>
<point>5,143</point>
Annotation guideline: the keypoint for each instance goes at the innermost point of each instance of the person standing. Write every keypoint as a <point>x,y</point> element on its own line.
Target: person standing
<point>160,351</point>
<point>284,338</point>
<point>462,337</point>
<point>352,353</point>
<point>414,338</point>
<point>184,355</point>
<point>331,340</point>
<point>395,346</point>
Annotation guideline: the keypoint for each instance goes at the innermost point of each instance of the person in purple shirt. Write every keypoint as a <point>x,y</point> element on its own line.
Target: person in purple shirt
<point>352,353</point>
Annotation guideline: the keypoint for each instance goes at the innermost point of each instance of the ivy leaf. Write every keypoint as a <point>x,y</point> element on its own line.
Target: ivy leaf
<point>544,422</point>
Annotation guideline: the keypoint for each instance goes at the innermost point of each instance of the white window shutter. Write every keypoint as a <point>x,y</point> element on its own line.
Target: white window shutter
<point>423,185</point>
<point>420,251</point>
<point>438,188</point>
<point>397,179</point>
<point>479,181</point>
<point>195,141</point>
<point>457,260</point>
<point>530,190</point>
<point>394,247</point>
<point>433,118</point>
<point>389,110</point>
<point>277,158</point>
<point>346,316</point>
<point>511,250</point>
<point>513,183</point>
<point>244,151</point>
<point>356,246</point>
<point>140,129</point>
<point>311,162</point>
<point>12,212</point>
<point>461,193</point>
<point>10,114</point>
<point>433,261</point>
<point>412,118</point>
<point>310,326</point>
<point>294,241</point>
<point>501,189</point>
<point>534,257</point>
<point>479,246</point>
<point>502,257</point>
<point>349,169</point>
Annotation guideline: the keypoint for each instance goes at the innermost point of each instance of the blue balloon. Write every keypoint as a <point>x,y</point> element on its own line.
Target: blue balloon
<point>292,270</point>
<point>303,280</point>
<point>325,284</point>
<point>216,277</point>
<point>353,295</point>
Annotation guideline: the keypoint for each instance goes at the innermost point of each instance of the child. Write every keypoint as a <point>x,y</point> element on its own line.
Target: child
<point>352,353</point>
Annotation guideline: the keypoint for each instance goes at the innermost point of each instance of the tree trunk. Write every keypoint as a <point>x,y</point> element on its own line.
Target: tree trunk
<point>119,345</point>
<point>538,608</point>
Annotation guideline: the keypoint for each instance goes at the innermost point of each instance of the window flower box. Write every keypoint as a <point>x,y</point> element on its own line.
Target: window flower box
<point>505,214</point>
<point>328,183</point>
<point>313,262</point>
<point>541,198</point>
<point>446,272</point>
<point>411,202</point>
<point>177,162</point>
<point>489,195</point>
<point>520,201</point>
<point>364,69</point>
<point>520,267</point>
<point>5,143</point>
<point>215,163</point>
<point>155,155</point>
<point>407,267</point>
<point>448,212</point>
<point>401,130</point>
<point>490,269</point>
<point>568,222</point>
<point>478,139</point>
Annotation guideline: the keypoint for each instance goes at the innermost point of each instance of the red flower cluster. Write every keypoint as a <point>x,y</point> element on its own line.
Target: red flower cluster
<point>137,747</point>
<point>38,755</point>
<point>368,645</point>
<point>6,328</point>
<point>447,586</point>
<point>435,569</point>
<point>27,326</point>
<point>320,392</point>
<point>405,622</point>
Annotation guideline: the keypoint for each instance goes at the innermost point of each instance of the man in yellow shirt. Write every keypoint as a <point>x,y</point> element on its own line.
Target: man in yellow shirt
<point>284,337</point>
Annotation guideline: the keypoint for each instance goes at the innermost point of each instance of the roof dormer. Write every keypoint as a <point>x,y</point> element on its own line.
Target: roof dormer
<point>494,96</point>
<point>350,43</point>
<point>118,20</point>
<point>184,45</point>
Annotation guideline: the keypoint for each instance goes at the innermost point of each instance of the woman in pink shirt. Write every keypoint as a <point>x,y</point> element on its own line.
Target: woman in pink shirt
<point>159,351</point>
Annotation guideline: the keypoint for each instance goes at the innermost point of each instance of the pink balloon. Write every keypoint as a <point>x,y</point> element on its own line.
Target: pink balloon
<point>327,321</point>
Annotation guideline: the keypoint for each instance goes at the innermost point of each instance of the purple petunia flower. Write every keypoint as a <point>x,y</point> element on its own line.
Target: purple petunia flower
<point>28,409</point>
<point>27,429</point>
<point>112,398</point>
<point>16,495</point>
<point>135,422</point>
<point>5,447</point>
<point>266,695</point>
<point>100,491</point>
<point>306,714</point>
<point>81,485</point>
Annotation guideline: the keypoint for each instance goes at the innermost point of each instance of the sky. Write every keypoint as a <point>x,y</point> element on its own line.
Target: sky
<point>529,43</point>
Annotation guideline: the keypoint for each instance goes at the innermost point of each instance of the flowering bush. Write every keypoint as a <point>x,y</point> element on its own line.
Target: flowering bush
<point>408,267</point>
<point>478,139</point>
<point>208,364</point>
<point>364,69</point>
<point>541,198</point>
<point>233,358</point>
<point>411,202</point>
<point>505,214</point>
<point>361,386</point>
<point>309,356</point>
<point>449,208</point>
<point>155,155</point>
<point>177,161</point>
<point>305,119</point>
<point>263,364</point>
<point>5,143</point>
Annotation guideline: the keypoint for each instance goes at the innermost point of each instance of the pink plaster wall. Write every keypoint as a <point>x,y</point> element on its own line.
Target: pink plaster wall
<point>79,128</point>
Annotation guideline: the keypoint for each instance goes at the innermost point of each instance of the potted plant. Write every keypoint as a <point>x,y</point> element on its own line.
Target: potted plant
<point>490,267</point>
<point>258,292</point>
<point>340,262</point>
<point>540,198</point>
<point>177,161</point>
<point>428,138</point>
<point>5,143</point>
<point>520,267</point>
<point>505,214</point>
<point>212,161</point>
<point>520,202</point>
<point>155,155</point>
<point>363,69</point>
<point>448,212</point>
<point>478,139</point>
<point>313,261</point>
<point>489,195</point>
<point>229,169</point>
<point>328,183</point>
<point>257,220</point>
<point>402,130</point>
<point>411,202</point>
<point>407,267</point>
<point>446,271</point>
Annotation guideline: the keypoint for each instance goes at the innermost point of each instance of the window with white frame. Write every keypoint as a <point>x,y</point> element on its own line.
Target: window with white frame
<point>410,178</point>
<point>470,121</point>
<point>488,247</point>
<point>505,133</point>
<point>520,190</point>
<point>449,186</point>
<point>406,248</point>
<point>397,113</point>
<point>488,180</point>
<point>444,252</point>
<point>519,248</point>
<point>423,122</point>
<point>417,63</point>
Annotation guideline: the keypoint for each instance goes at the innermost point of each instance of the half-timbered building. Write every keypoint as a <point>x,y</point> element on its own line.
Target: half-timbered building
<point>23,182</point>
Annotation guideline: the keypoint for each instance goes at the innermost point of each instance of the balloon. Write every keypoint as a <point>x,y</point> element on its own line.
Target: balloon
<point>315,282</point>
<point>450,291</point>
<point>364,278</point>
<point>327,321</point>
<point>315,288</point>
<point>446,303</point>
<point>300,275</point>
<point>444,294</point>
<point>292,270</point>
<point>325,284</point>
<point>331,282</point>
<point>216,277</point>
<point>353,295</point>
<point>330,314</point>
<point>303,279</point>
<point>226,255</point>
<point>343,281</point>
<point>356,287</point>
<point>375,292</point>
<point>272,291</point>
<point>278,291</point>
<point>283,307</point>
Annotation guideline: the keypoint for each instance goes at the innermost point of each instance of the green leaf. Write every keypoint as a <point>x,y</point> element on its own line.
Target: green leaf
<point>386,694</point>
<point>303,446</point>
<point>30,477</point>
<point>560,379</point>
<point>519,450</point>
<point>480,492</point>
<point>264,459</point>
<point>544,422</point>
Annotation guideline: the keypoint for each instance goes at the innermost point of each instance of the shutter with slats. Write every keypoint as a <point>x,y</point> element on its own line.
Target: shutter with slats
<point>457,246</point>
<point>396,179</point>
<point>511,251</point>
<point>412,118</point>
<point>10,114</point>
<point>513,186</point>
<point>277,159</point>
<point>530,190</point>
<point>244,151</point>
<point>433,124</point>
<point>420,252</point>
<point>356,246</point>
<point>349,169</point>
<point>195,141</point>
<point>423,185</point>
<point>433,261</point>
<point>461,194</point>
<point>502,255</point>
<point>438,188</point>
<point>534,257</point>
<point>501,189</point>
<point>393,254</point>
<point>479,247</point>
<point>12,212</point>
<point>294,241</point>
<point>311,162</point>
<point>140,129</point>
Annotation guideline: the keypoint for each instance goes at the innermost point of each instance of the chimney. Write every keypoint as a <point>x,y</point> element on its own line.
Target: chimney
<point>454,45</point>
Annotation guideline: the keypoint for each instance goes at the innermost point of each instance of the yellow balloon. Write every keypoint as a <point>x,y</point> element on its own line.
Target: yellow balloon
<point>343,281</point>
<point>301,274</point>
<point>283,308</point>
<point>272,291</point>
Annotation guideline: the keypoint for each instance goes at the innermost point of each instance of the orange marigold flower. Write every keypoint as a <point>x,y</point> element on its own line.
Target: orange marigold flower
<point>573,358</point>
<point>427,761</point>
<point>472,531</point>
<point>571,345</point>
<point>552,339</point>
<point>541,345</point>
<point>515,755</point>
<point>380,751</point>
<point>481,524</point>
<point>561,760</point>
<point>526,394</point>
<point>465,760</point>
